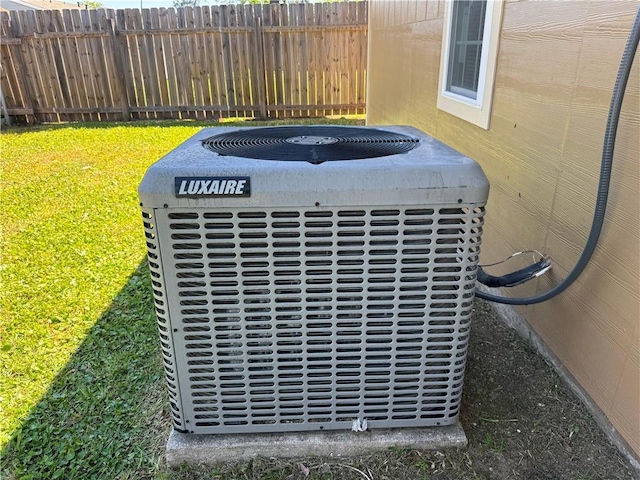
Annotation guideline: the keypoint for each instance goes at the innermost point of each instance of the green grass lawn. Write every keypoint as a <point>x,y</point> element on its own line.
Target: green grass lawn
<point>81,387</point>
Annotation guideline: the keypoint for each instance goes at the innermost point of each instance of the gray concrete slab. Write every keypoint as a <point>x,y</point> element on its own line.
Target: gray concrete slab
<point>208,449</point>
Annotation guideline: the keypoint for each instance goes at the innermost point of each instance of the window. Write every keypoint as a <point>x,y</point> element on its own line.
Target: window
<point>469,56</point>
<point>467,26</point>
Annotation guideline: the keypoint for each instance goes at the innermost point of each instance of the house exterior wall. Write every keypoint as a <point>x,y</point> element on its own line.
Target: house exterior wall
<point>557,63</point>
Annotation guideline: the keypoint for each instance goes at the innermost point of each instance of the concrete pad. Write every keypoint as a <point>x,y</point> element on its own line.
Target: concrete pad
<point>208,449</point>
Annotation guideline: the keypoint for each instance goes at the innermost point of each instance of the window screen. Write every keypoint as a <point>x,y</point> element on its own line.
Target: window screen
<point>466,47</point>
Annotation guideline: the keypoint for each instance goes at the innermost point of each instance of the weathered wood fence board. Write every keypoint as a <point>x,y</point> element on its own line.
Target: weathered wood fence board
<point>264,60</point>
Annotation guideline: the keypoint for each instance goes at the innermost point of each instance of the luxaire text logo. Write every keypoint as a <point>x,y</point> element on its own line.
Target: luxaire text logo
<point>196,187</point>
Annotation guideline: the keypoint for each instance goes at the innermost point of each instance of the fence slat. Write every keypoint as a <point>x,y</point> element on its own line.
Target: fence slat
<point>231,56</point>
<point>229,93</point>
<point>184,72</point>
<point>328,66</point>
<point>277,60</point>
<point>117,70</point>
<point>94,89</point>
<point>39,61</point>
<point>90,67</point>
<point>148,63</point>
<point>258,77</point>
<point>199,19</point>
<point>302,59</point>
<point>311,54</point>
<point>12,88</point>
<point>256,60</point>
<point>67,56</point>
<point>74,69</point>
<point>351,53</point>
<point>46,65</point>
<point>285,78</point>
<point>124,57</point>
<point>362,45</point>
<point>174,57</point>
<point>136,98</point>
<point>244,61</point>
<point>268,41</point>
<point>99,47</point>
<point>30,61</point>
<point>165,40</point>
<point>212,52</point>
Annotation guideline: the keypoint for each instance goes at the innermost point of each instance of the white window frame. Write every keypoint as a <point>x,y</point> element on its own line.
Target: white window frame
<point>478,110</point>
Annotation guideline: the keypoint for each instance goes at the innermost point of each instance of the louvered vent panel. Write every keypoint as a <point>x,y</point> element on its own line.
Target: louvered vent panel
<point>291,320</point>
<point>161,309</point>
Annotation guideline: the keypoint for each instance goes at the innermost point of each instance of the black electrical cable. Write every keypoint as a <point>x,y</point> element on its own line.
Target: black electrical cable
<point>603,184</point>
<point>514,278</point>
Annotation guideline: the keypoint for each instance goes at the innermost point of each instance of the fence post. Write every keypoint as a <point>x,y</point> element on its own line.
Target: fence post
<point>117,54</point>
<point>261,86</point>
<point>5,112</point>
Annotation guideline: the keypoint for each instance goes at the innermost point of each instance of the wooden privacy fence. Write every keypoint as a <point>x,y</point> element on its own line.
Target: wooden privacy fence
<point>265,60</point>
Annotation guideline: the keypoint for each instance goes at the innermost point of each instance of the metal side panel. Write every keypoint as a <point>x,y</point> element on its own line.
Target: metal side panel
<point>286,319</point>
<point>160,301</point>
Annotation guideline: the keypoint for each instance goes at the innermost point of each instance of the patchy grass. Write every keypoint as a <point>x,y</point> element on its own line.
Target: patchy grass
<point>71,238</point>
<point>82,392</point>
<point>103,415</point>
<point>71,241</point>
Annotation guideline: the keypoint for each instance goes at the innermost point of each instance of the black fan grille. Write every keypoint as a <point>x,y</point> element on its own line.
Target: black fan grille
<point>313,144</point>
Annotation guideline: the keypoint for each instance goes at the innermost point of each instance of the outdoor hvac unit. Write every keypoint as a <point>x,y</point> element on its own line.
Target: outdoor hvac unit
<point>313,277</point>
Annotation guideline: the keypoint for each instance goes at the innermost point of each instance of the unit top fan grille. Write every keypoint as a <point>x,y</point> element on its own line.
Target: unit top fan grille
<point>313,144</point>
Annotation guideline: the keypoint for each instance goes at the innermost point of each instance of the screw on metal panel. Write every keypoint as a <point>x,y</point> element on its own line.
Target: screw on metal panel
<point>317,204</point>
<point>166,206</point>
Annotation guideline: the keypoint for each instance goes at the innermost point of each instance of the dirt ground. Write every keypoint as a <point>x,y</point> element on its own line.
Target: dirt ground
<point>521,422</point>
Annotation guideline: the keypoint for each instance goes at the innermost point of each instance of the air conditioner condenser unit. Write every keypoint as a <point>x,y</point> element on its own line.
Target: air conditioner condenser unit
<point>313,278</point>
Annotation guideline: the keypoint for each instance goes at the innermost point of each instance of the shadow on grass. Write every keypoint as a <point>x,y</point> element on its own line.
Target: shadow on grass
<point>103,416</point>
